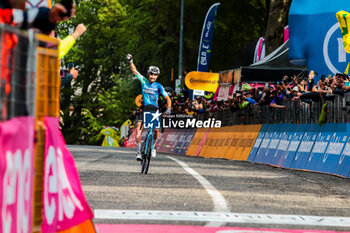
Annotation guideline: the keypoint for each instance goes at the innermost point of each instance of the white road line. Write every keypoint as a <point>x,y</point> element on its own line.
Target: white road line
<point>299,220</point>
<point>220,204</point>
<point>101,150</point>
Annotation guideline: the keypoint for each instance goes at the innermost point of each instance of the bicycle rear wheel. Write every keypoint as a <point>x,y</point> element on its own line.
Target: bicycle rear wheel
<point>147,155</point>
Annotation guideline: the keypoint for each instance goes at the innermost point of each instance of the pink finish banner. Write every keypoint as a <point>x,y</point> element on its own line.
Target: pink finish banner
<point>64,203</point>
<point>16,174</point>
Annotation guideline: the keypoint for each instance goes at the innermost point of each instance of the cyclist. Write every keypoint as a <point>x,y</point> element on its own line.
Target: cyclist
<point>150,93</point>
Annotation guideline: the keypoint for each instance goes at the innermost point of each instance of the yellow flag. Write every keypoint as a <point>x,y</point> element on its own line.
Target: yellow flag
<point>344,23</point>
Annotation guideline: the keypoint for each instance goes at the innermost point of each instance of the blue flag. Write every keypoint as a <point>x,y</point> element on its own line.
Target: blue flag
<point>205,42</point>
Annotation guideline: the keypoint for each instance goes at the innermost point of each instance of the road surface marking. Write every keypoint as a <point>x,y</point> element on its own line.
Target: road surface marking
<point>222,217</point>
<point>220,204</point>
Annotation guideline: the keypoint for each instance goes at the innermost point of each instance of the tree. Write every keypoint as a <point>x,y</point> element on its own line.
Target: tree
<point>278,19</point>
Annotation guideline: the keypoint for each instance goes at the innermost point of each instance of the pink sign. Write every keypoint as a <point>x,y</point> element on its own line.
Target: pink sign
<point>64,203</point>
<point>16,174</point>
<point>131,142</point>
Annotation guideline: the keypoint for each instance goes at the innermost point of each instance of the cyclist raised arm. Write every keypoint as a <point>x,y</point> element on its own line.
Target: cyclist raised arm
<point>150,93</point>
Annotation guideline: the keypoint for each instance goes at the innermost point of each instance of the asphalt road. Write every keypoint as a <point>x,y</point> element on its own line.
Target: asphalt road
<point>184,190</point>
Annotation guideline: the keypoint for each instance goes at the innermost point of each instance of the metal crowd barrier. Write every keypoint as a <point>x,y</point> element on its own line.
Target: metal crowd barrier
<point>17,82</point>
<point>294,113</point>
<point>30,86</point>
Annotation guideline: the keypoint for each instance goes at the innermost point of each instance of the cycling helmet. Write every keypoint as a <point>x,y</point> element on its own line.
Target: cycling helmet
<point>153,70</point>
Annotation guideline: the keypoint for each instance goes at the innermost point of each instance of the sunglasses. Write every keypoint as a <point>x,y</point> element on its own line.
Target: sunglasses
<point>151,73</point>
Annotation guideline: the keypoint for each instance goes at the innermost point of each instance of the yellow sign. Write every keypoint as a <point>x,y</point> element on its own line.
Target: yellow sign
<point>202,81</point>
<point>138,100</point>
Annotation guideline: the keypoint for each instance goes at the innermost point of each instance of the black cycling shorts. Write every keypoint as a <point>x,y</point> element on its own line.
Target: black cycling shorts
<point>147,108</point>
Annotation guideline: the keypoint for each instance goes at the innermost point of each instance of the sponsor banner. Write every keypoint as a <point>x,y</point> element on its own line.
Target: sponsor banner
<point>233,144</point>
<point>226,76</point>
<point>275,140</point>
<point>295,136</point>
<point>168,141</point>
<point>64,203</point>
<point>160,140</point>
<point>332,158</point>
<point>204,152</point>
<point>343,167</point>
<point>185,138</point>
<point>215,148</point>
<point>206,38</point>
<point>131,142</point>
<point>202,81</point>
<point>306,146</point>
<point>262,152</point>
<point>251,133</point>
<point>223,142</point>
<point>257,143</point>
<point>197,142</point>
<point>223,93</point>
<point>283,144</point>
<point>16,174</point>
<point>327,149</point>
<point>241,140</point>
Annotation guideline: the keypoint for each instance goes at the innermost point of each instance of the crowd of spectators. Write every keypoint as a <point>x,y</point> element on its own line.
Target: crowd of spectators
<point>298,89</point>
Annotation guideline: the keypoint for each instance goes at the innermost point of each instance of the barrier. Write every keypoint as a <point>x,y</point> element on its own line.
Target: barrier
<point>252,136</point>
<point>263,151</point>
<point>185,138</point>
<point>285,137</point>
<point>343,167</point>
<point>257,143</point>
<point>206,150</point>
<point>131,142</point>
<point>295,136</point>
<point>234,138</point>
<point>197,142</point>
<point>306,146</point>
<point>332,158</point>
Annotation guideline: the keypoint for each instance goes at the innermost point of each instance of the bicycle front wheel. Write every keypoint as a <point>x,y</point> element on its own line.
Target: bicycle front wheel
<point>147,156</point>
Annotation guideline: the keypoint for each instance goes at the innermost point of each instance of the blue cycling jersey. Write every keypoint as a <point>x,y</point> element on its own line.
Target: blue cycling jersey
<point>150,91</point>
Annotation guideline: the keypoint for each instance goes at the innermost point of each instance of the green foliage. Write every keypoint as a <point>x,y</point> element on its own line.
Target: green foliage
<point>103,94</point>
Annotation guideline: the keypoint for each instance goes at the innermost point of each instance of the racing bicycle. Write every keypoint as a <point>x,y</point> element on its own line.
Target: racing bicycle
<point>147,151</point>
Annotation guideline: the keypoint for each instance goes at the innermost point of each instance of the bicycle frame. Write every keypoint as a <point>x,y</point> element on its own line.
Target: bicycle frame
<point>149,135</point>
<point>147,150</point>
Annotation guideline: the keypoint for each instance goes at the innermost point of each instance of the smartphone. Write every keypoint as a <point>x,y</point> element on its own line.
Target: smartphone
<point>70,66</point>
<point>347,84</point>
